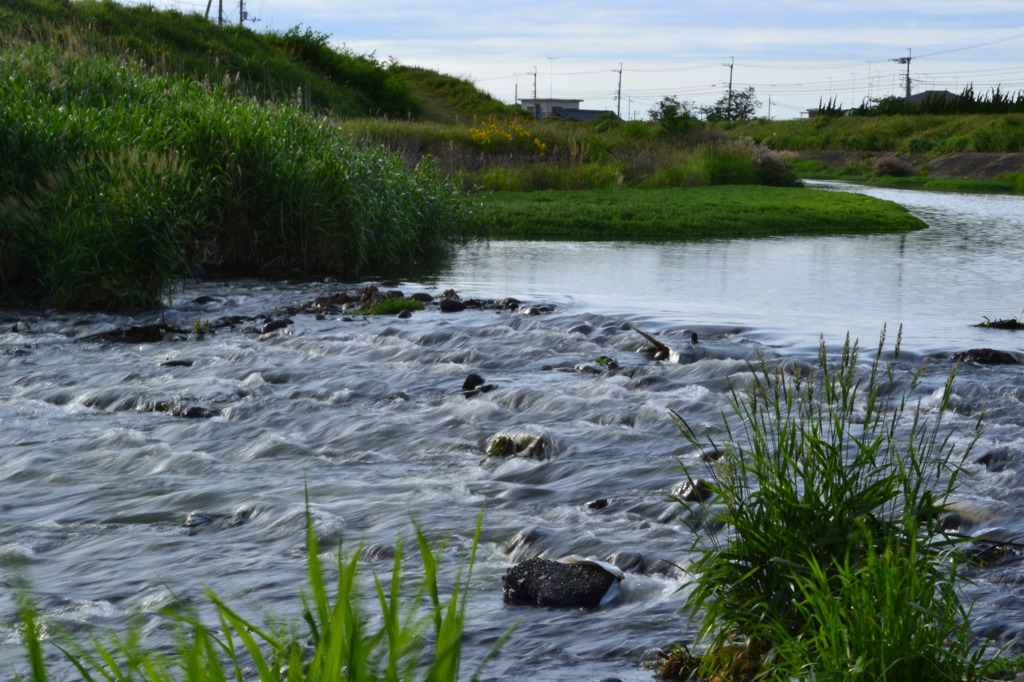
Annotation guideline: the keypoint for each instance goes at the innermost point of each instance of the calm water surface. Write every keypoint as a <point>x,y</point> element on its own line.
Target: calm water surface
<point>98,479</point>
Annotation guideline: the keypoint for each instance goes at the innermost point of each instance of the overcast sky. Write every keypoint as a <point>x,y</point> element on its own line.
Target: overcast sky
<point>795,53</point>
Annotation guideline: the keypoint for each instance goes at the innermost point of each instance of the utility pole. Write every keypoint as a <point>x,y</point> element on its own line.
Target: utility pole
<point>728,105</point>
<point>220,11</point>
<point>905,60</point>
<point>536,105</point>
<point>618,95</point>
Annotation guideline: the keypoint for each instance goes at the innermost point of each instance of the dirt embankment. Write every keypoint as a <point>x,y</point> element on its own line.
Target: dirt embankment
<point>972,165</point>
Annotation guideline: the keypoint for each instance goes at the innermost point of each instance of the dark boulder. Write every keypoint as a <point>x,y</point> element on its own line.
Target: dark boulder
<point>475,385</point>
<point>450,305</point>
<point>986,356</point>
<point>274,325</point>
<point>571,583</point>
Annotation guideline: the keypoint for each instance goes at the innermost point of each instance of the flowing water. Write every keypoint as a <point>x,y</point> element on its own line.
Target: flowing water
<point>135,474</point>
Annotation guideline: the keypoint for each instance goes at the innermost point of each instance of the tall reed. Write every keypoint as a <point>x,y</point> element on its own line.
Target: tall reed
<point>116,179</point>
<point>832,563</point>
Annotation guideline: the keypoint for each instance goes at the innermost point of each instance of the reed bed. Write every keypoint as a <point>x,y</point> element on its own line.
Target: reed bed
<point>833,563</point>
<point>118,178</point>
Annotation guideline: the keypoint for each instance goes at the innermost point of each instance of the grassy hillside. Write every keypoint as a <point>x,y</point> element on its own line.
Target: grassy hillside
<point>120,173</point>
<point>296,66</point>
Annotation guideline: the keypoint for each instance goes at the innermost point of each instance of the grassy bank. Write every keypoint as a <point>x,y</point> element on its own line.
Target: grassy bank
<point>961,173</point>
<point>691,213</point>
<point>920,134</point>
<point>949,153</point>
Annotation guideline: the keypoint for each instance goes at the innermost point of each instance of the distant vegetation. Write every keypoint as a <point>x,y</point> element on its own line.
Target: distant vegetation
<point>931,134</point>
<point>995,101</point>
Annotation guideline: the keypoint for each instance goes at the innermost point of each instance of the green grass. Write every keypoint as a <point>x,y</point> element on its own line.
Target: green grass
<point>409,630</point>
<point>691,213</point>
<point>832,563</point>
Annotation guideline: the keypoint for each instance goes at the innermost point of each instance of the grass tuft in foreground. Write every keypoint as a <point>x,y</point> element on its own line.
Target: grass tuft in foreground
<point>409,632</point>
<point>832,563</point>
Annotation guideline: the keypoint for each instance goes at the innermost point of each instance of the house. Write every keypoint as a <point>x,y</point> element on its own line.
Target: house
<point>567,109</point>
<point>931,94</point>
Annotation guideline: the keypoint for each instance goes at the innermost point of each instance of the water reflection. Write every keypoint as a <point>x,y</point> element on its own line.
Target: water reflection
<point>936,282</point>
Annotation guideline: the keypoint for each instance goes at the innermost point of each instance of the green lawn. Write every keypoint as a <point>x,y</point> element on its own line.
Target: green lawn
<point>688,213</point>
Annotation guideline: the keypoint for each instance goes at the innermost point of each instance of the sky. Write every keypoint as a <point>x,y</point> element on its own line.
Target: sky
<point>794,53</point>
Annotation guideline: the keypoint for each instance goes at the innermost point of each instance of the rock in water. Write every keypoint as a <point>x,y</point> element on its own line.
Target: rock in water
<point>986,356</point>
<point>572,582</point>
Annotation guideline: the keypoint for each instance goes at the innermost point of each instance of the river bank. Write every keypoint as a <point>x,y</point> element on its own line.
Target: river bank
<point>993,173</point>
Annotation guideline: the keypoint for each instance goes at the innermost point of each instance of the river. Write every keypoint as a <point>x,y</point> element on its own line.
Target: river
<point>100,468</point>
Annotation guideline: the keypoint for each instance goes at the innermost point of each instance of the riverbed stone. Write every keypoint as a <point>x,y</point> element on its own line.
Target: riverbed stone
<point>692,490</point>
<point>450,305</point>
<point>274,325</point>
<point>526,445</point>
<point>542,582</point>
<point>986,356</point>
<point>475,385</point>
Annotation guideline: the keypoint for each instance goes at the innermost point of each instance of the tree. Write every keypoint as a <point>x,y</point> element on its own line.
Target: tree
<point>673,117</point>
<point>741,106</point>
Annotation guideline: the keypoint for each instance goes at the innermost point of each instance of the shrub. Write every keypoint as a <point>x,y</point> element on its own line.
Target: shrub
<point>832,563</point>
<point>893,166</point>
<point>772,170</point>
